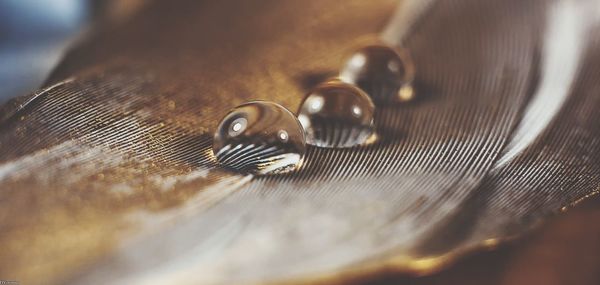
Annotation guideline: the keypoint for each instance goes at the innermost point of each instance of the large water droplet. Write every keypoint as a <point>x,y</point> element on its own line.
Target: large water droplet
<point>337,114</point>
<point>260,138</point>
<point>385,73</point>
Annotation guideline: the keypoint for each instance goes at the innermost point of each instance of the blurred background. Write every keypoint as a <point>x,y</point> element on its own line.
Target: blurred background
<point>34,35</point>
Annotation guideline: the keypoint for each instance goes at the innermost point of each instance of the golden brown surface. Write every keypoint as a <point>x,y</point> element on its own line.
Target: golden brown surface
<point>63,211</point>
<point>108,177</point>
<point>565,251</point>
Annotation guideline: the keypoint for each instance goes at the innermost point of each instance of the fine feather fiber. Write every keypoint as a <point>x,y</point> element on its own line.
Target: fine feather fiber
<point>107,174</point>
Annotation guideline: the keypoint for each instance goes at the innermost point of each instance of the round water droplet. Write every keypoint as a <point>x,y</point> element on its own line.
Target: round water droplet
<point>383,72</point>
<point>337,114</point>
<point>260,138</point>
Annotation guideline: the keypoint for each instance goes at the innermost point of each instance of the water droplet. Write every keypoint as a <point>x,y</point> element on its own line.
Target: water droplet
<point>383,72</point>
<point>337,114</point>
<point>260,138</point>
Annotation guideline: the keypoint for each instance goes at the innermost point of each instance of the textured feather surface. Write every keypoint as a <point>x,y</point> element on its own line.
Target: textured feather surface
<point>108,177</point>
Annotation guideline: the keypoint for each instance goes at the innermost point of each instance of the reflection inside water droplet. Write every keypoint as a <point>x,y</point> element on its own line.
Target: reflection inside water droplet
<point>238,126</point>
<point>260,138</point>
<point>383,72</point>
<point>315,104</point>
<point>283,136</point>
<point>356,111</point>
<point>344,117</point>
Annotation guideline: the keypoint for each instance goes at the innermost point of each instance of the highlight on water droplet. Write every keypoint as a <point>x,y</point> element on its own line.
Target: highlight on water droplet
<point>384,72</point>
<point>260,138</point>
<point>337,115</point>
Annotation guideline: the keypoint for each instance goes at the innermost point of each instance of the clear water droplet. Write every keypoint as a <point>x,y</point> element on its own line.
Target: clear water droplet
<point>260,138</point>
<point>383,72</point>
<point>337,114</point>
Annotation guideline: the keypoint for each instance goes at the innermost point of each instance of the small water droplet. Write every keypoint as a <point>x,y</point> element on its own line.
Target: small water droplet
<point>383,72</point>
<point>260,138</point>
<point>344,117</point>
